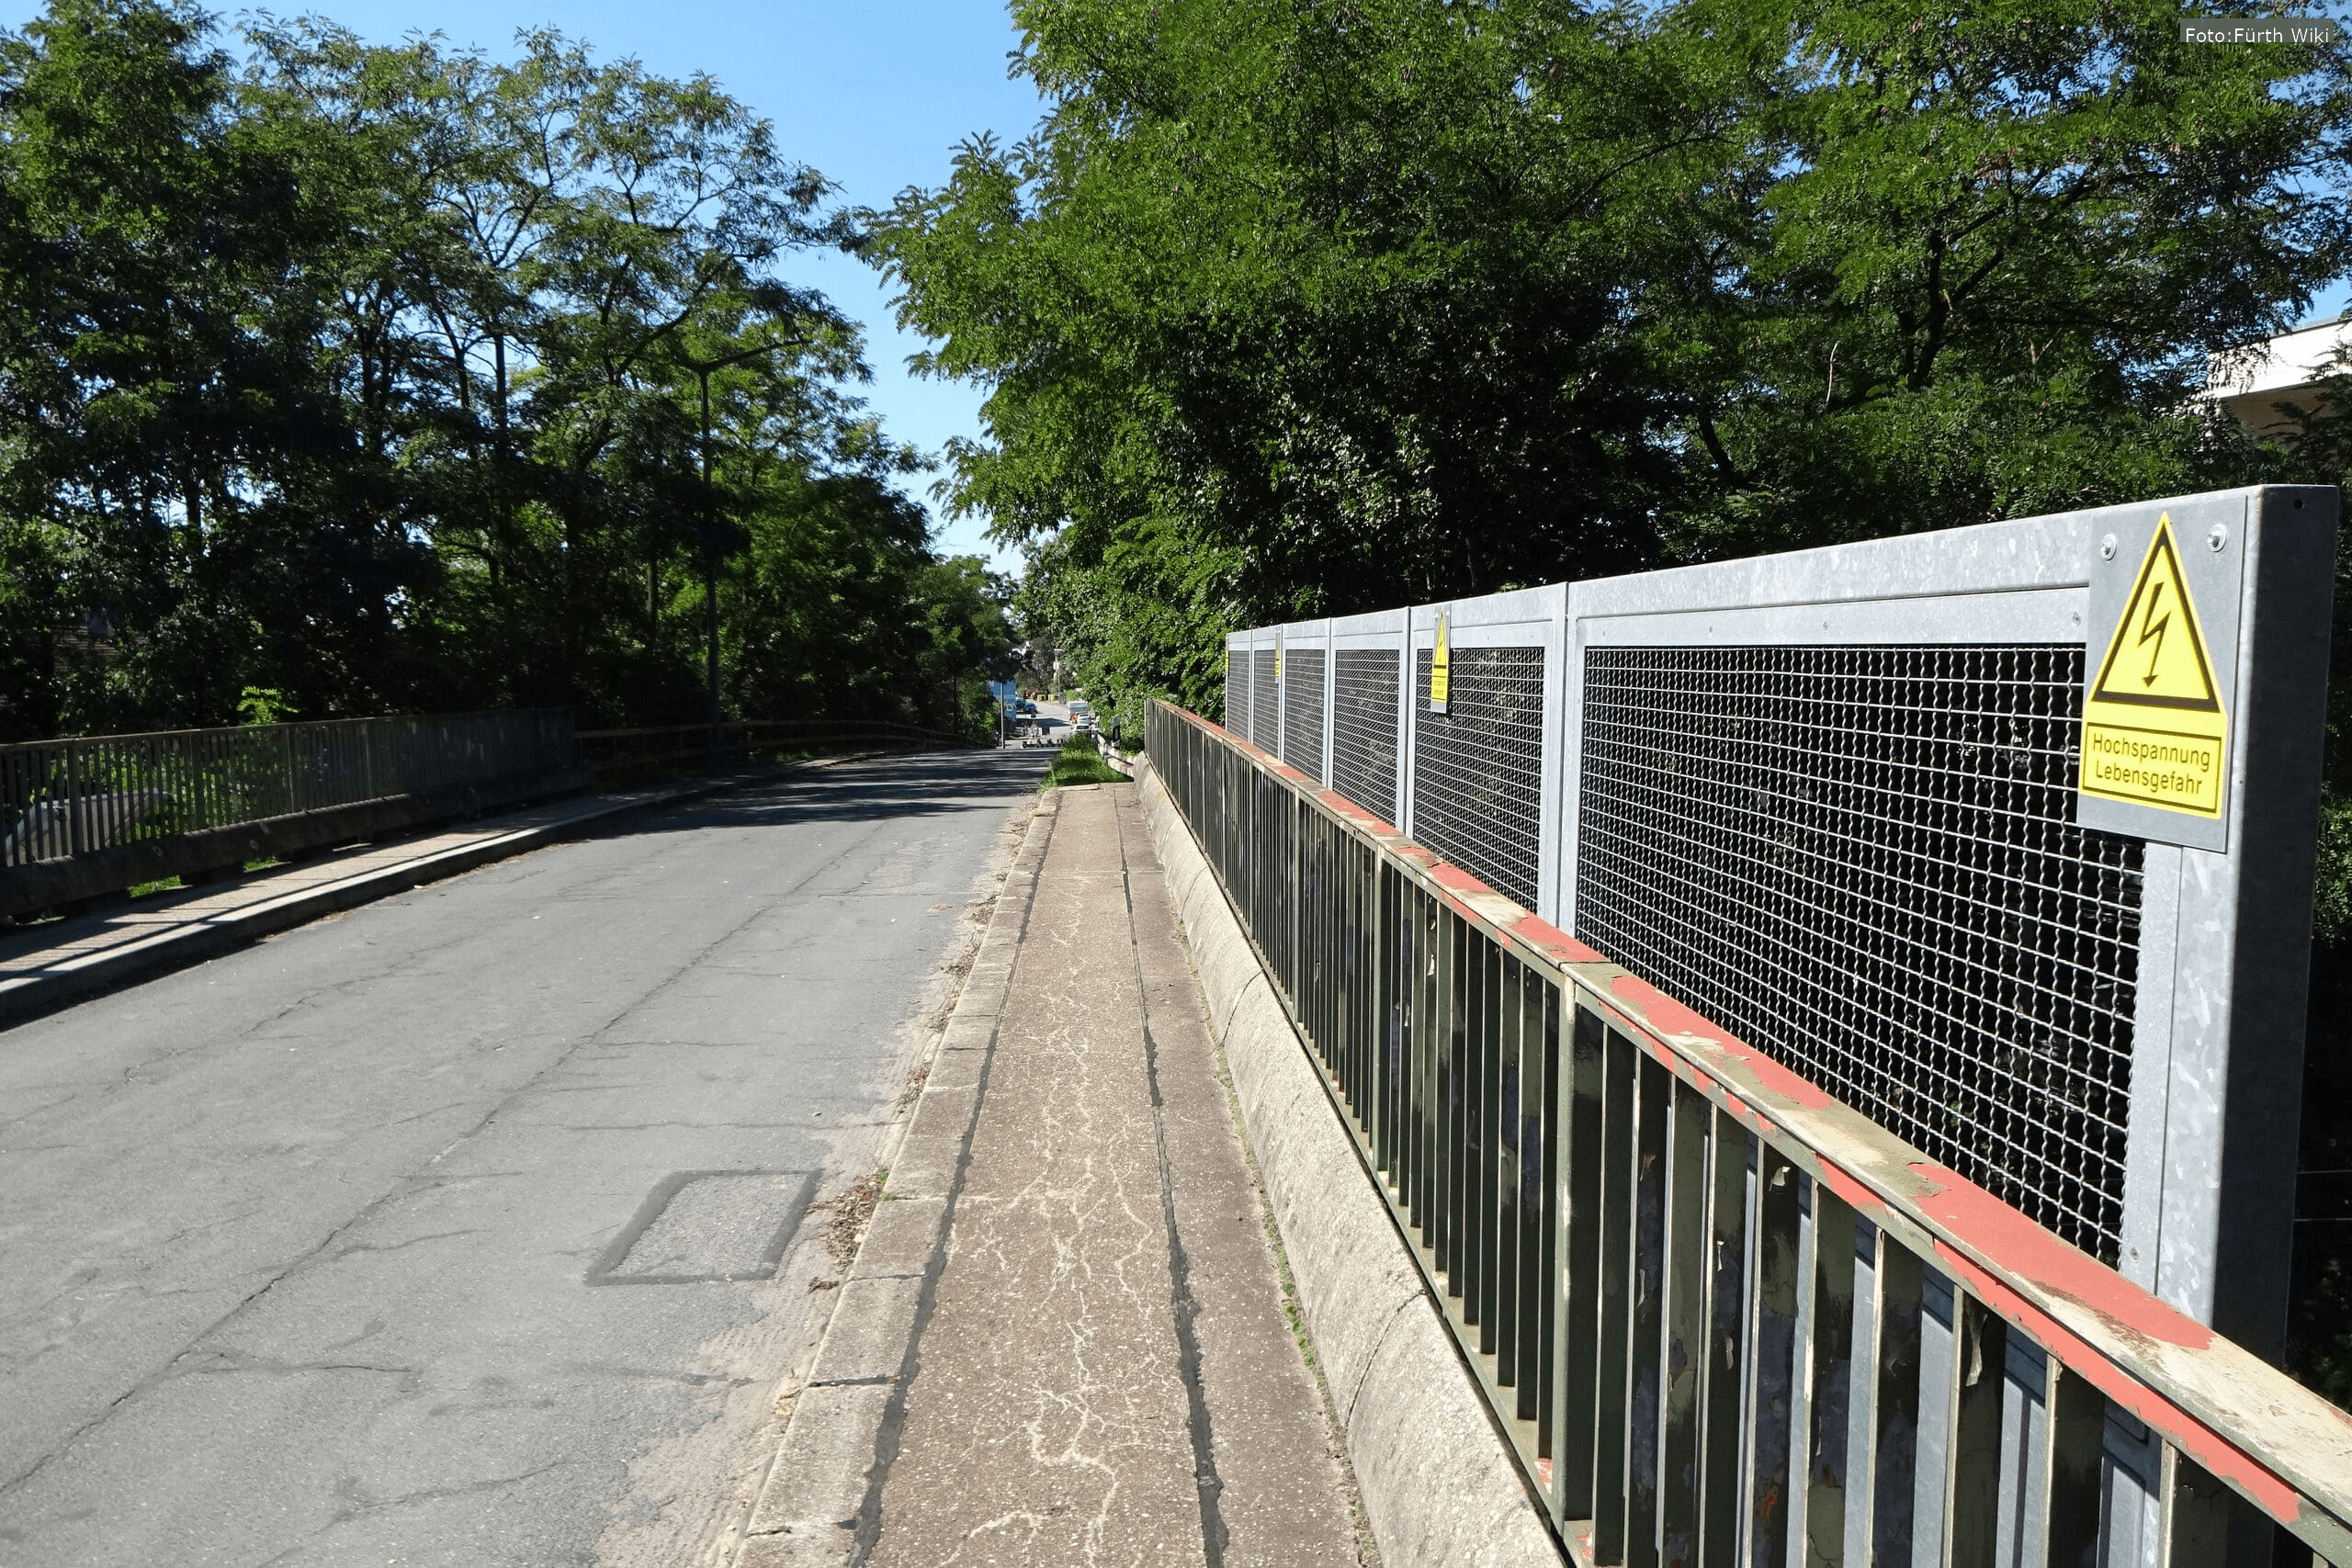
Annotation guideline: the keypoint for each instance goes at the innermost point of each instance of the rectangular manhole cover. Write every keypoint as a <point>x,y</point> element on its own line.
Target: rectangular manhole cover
<point>697,1226</point>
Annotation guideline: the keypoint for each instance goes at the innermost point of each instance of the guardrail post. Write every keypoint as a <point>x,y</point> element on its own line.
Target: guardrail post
<point>2077,1444</point>
<point>1688,1246</point>
<point>1895,1435</point>
<point>1779,1271</point>
<point>1613,1356</point>
<point>1577,1104</point>
<point>1833,1385</point>
<point>1725,1373</point>
<point>1647,1347</point>
<point>73,798</point>
<point>1973,1482</point>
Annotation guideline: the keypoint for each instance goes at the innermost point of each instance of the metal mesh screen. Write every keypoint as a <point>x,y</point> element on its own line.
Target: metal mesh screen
<point>1862,861</point>
<point>1302,710</point>
<point>1363,727</point>
<point>1237,691</point>
<point>1265,701</point>
<point>1477,767</point>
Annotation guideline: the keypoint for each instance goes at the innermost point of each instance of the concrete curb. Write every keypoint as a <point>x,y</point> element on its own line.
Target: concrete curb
<point>1440,1487</point>
<point>819,1500</point>
<point>31,997</point>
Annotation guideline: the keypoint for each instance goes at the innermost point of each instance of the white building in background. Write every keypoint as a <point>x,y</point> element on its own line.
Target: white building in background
<point>2256,383</point>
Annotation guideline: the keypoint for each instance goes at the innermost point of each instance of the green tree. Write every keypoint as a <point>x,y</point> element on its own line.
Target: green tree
<point>554,230</point>
<point>1307,310</point>
<point>841,609</point>
<point>375,377</point>
<point>156,391</point>
<point>1344,300</point>
<point>1998,244</point>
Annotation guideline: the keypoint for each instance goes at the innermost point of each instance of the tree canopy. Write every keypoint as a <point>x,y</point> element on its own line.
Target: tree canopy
<point>1309,307</point>
<point>1295,308</point>
<point>378,377</point>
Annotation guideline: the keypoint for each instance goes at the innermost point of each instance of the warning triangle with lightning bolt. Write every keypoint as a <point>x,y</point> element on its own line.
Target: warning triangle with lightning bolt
<point>2155,733</point>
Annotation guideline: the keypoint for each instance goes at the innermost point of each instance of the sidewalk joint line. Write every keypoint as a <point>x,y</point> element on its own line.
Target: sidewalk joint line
<point>1215,1533</point>
<point>887,1434</point>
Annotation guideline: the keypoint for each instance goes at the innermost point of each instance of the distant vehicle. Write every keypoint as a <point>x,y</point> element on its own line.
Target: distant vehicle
<point>1023,705</point>
<point>1080,713</point>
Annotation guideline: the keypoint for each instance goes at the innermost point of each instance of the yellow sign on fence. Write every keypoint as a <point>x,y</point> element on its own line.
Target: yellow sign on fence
<point>2155,730</point>
<point>1440,667</point>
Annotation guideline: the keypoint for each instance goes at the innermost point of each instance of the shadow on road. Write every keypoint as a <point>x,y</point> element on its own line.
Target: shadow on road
<point>923,784</point>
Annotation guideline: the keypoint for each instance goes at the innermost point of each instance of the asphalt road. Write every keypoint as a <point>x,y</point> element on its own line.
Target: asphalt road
<point>447,1230</point>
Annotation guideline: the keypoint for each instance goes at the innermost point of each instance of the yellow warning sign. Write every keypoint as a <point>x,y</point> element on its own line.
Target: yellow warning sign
<point>2155,733</point>
<point>1441,662</point>
<point>1278,654</point>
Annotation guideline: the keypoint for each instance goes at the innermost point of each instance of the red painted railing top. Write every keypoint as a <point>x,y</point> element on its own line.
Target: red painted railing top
<point>2278,1444</point>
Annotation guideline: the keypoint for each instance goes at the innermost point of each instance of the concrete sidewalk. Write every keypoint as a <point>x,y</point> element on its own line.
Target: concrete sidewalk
<point>59,962</point>
<point>1066,1339</point>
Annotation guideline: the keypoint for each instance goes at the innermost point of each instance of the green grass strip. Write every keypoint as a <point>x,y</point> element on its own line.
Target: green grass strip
<point>1078,762</point>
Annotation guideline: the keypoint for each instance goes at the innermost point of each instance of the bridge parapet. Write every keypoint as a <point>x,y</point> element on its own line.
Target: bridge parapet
<point>82,817</point>
<point>1728,1310</point>
<point>1721,1314</point>
<point>92,815</point>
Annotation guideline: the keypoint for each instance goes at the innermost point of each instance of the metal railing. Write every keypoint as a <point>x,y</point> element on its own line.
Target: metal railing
<point>1834,799</point>
<point>87,794</point>
<point>1723,1317</point>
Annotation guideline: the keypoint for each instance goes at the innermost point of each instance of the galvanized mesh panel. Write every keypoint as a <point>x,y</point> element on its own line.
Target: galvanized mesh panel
<point>1302,710</point>
<point>1237,691</point>
<point>1265,701</point>
<point>1363,728</point>
<point>1477,767</point>
<point>1862,861</point>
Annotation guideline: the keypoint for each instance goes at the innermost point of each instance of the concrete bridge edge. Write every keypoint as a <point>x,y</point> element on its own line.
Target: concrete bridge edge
<point>1440,1486</point>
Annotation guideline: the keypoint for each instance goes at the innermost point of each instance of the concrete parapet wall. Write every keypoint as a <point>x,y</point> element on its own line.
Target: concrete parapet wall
<point>1440,1485</point>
